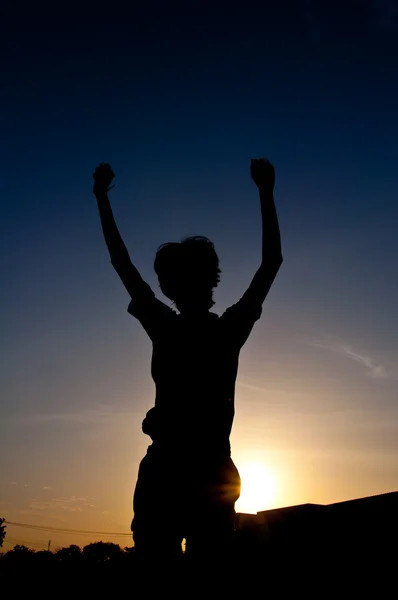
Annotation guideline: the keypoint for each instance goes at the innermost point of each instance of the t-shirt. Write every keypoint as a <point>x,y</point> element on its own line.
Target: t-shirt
<point>194,368</point>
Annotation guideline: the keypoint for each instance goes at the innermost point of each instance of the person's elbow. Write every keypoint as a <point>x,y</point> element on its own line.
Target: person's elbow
<point>277,256</point>
<point>275,265</point>
<point>272,262</point>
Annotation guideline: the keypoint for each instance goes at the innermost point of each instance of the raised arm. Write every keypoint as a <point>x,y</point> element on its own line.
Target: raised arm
<point>119,255</point>
<point>263,175</point>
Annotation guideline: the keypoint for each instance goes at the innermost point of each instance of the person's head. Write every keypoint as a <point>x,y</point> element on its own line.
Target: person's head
<point>188,272</point>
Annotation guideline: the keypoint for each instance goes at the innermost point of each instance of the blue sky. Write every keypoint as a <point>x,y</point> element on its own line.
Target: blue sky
<point>178,101</point>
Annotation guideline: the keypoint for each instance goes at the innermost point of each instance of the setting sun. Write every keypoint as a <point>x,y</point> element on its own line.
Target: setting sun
<point>258,488</point>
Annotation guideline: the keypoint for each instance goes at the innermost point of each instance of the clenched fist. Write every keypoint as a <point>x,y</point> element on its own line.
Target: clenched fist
<point>263,174</point>
<point>103,177</point>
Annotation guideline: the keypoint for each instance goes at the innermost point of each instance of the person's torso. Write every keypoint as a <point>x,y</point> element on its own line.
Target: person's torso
<point>194,367</point>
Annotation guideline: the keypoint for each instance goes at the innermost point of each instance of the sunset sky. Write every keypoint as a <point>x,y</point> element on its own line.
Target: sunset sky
<point>179,99</point>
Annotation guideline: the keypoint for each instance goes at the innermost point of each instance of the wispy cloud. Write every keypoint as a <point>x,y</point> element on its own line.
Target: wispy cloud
<point>89,415</point>
<point>252,388</point>
<point>67,504</point>
<point>45,488</point>
<point>269,390</point>
<point>85,416</point>
<point>12,483</point>
<point>58,518</point>
<point>372,368</point>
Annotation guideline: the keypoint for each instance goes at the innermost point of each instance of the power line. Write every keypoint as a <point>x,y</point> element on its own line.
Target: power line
<point>65,530</point>
<point>18,541</point>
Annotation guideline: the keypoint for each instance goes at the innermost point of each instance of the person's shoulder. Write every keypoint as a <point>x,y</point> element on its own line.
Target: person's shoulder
<point>149,306</point>
<point>242,311</point>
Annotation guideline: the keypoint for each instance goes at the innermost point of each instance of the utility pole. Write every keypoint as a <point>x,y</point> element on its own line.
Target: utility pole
<point>48,546</point>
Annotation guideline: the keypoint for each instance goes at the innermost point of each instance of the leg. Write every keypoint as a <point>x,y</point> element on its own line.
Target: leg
<point>156,525</point>
<point>211,516</point>
<point>213,534</point>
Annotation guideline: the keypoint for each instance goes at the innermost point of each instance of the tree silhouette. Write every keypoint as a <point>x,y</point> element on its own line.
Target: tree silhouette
<point>100,552</point>
<point>71,554</point>
<point>19,555</point>
<point>2,531</point>
<point>21,550</point>
<point>44,557</point>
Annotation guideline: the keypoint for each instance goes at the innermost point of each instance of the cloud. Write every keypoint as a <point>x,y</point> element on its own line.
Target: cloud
<point>67,504</point>
<point>372,368</point>
<point>12,483</point>
<point>101,414</point>
<point>45,488</point>
<point>23,512</point>
<point>270,390</point>
<point>252,388</point>
<point>91,415</point>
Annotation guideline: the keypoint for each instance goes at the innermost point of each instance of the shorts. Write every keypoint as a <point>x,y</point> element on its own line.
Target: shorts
<point>181,495</point>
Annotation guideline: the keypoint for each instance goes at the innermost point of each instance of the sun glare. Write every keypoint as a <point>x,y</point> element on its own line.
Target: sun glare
<point>258,488</point>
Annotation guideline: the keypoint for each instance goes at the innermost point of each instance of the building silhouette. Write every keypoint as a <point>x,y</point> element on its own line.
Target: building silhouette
<point>364,529</point>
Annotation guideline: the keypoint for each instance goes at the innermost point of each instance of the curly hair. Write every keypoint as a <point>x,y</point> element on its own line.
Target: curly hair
<point>188,269</point>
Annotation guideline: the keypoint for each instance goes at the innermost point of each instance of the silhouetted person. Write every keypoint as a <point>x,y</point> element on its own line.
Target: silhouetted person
<point>187,483</point>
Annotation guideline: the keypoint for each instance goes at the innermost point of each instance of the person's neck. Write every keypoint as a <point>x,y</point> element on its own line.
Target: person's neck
<point>193,310</point>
